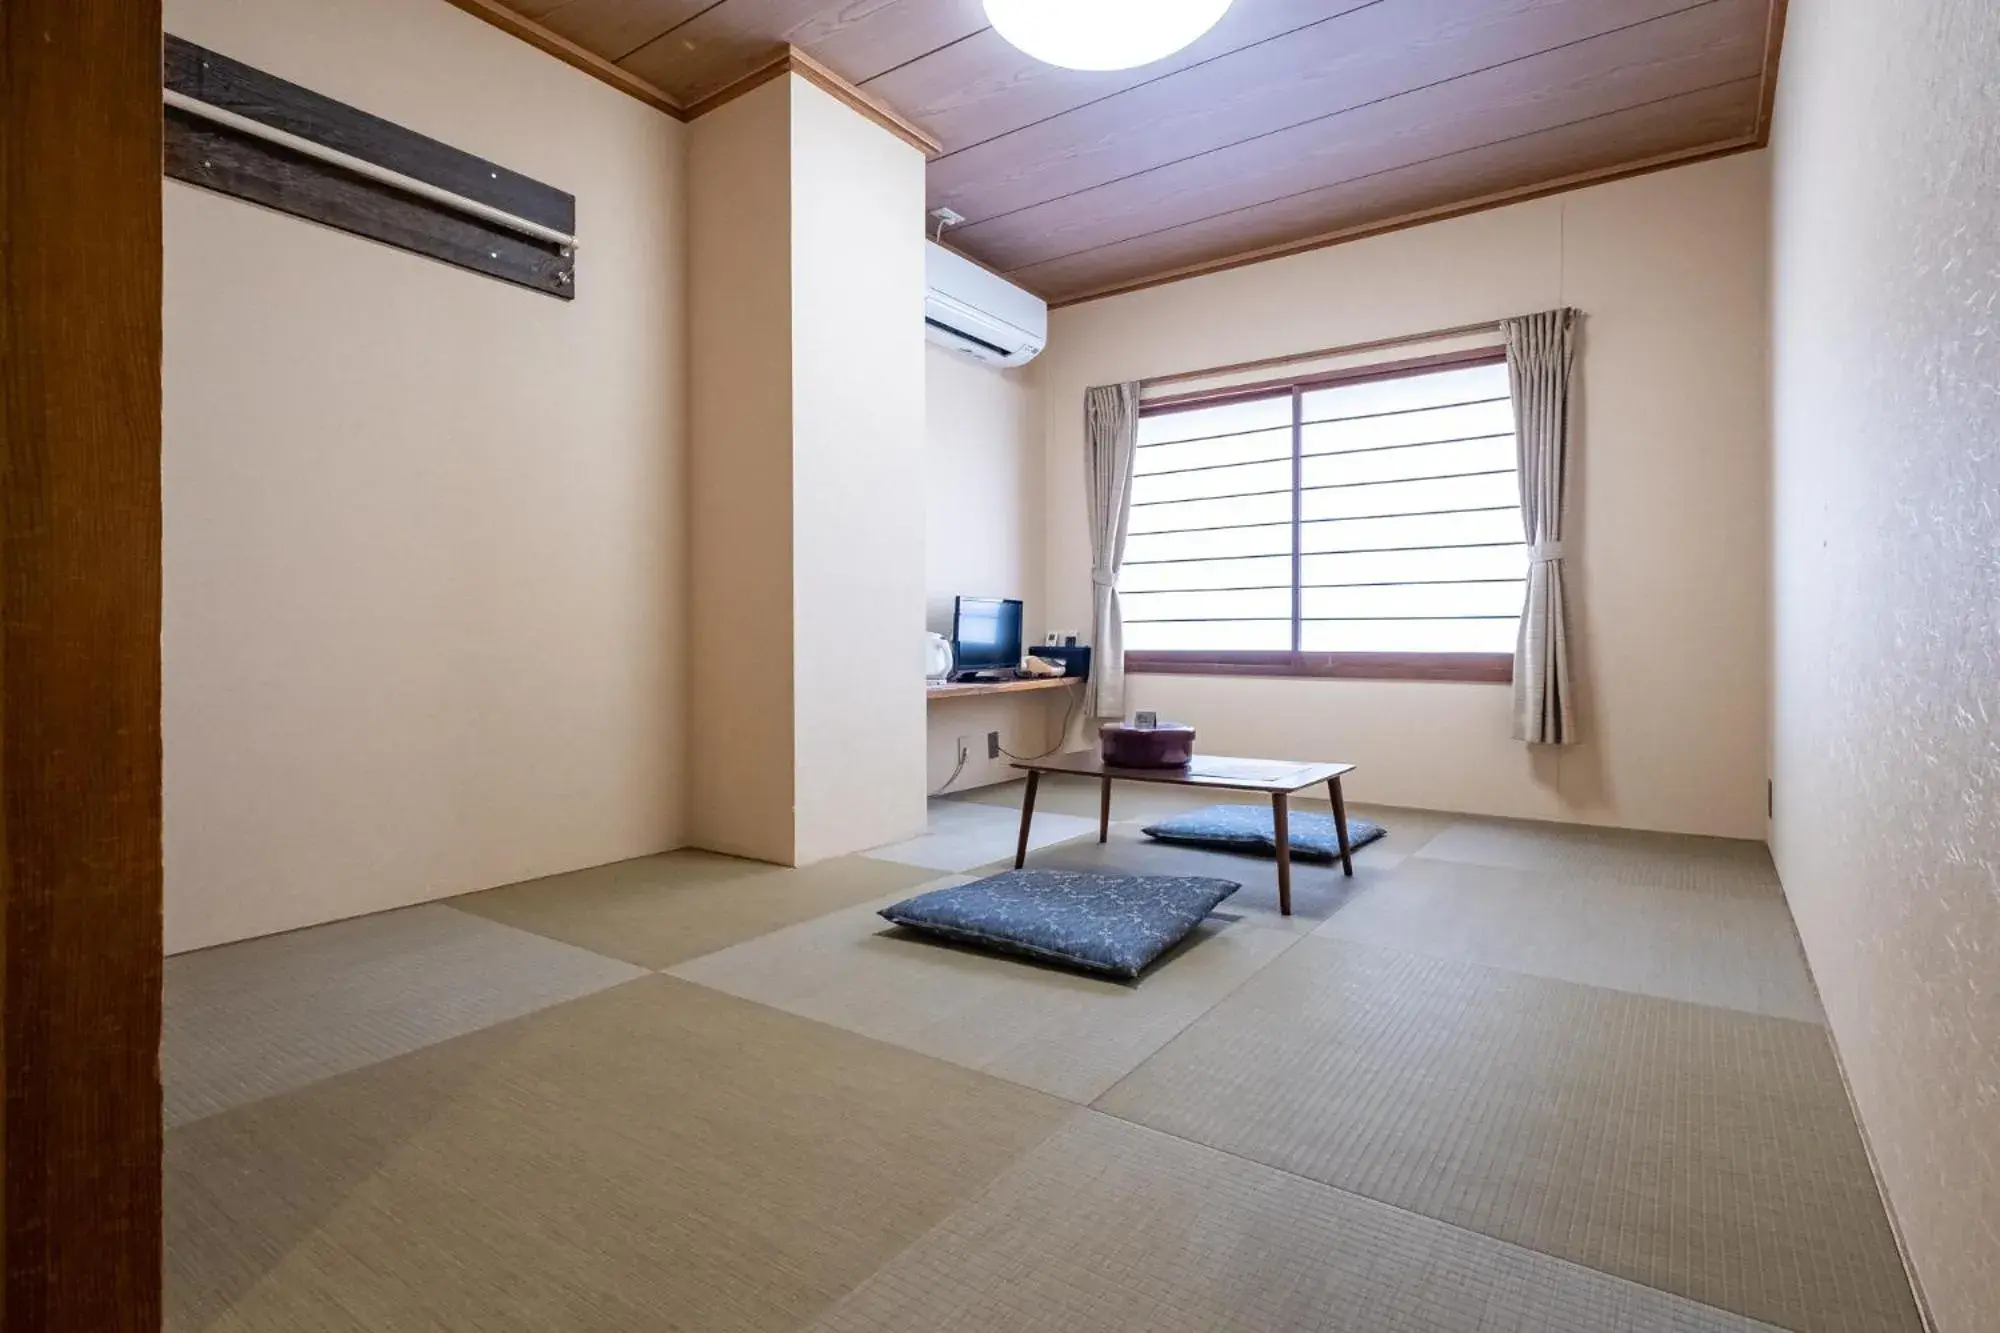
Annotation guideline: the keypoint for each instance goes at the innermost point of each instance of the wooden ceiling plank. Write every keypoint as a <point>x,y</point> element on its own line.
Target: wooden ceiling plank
<point>1362,57</point>
<point>791,60</point>
<point>856,40</point>
<point>510,20</point>
<point>1710,120</point>
<point>615,28</point>
<point>983,87</point>
<point>1683,52</point>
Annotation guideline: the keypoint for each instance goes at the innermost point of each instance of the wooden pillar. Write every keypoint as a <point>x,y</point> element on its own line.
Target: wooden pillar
<point>80,132</point>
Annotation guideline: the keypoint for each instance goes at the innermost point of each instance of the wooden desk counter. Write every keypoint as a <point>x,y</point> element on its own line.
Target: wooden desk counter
<point>968,689</point>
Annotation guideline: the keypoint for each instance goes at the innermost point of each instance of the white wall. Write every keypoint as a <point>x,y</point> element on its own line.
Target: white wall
<point>1668,524</point>
<point>857,469</point>
<point>983,497</point>
<point>740,477</point>
<point>423,547</point>
<point>1887,731</point>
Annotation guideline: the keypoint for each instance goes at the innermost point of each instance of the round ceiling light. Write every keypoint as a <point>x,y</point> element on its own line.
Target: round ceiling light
<point>1102,34</point>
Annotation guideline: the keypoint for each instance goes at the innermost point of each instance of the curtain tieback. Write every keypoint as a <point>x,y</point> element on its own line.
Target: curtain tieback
<point>1103,578</point>
<point>1541,552</point>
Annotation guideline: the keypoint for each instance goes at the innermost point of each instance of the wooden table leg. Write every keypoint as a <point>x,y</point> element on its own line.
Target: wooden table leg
<point>1340,826</point>
<point>1027,817</point>
<point>1104,814</point>
<point>1281,827</point>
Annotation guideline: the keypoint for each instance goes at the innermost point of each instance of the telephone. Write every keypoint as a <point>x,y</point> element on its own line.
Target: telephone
<point>1042,666</point>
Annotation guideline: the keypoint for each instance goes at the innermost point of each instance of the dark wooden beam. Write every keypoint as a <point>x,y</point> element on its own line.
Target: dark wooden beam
<point>230,161</point>
<point>80,665</point>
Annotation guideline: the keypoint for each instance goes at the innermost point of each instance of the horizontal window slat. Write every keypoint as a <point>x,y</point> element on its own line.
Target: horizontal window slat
<point>1257,541</point>
<point>1448,564</point>
<point>1353,551</point>
<point>1148,475</point>
<point>1456,634</point>
<point>1206,604</point>
<point>1417,390</point>
<point>1240,635</point>
<point>1236,479</point>
<point>1489,491</point>
<point>1427,529</point>
<point>1413,583</point>
<point>1395,481</point>
<point>1311,620</point>
<point>1128,594</point>
<point>1236,511</point>
<point>1237,417</point>
<point>1492,453</point>
<point>1414,513</point>
<point>1229,495</point>
<point>1262,587</point>
<point>1488,667</point>
<point>1344,518</point>
<point>1414,601</point>
<point>1427,428</point>
<point>1251,571</point>
<point>1308,419</point>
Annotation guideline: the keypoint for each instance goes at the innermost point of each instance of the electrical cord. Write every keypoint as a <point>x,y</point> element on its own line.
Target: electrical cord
<point>1069,715</point>
<point>954,773</point>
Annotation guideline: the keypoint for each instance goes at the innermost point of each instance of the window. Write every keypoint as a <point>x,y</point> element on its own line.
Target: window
<point>1366,526</point>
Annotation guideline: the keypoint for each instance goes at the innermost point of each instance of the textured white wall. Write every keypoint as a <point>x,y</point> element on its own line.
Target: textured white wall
<point>1669,508</point>
<point>858,477</point>
<point>983,480</point>
<point>740,721</point>
<point>1886,404</point>
<point>425,578</point>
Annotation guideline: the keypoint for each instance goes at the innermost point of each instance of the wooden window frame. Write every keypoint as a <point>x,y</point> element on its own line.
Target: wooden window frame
<point>1474,668</point>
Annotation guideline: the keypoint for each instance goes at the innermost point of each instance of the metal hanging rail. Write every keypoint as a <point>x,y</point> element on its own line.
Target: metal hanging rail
<point>362,167</point>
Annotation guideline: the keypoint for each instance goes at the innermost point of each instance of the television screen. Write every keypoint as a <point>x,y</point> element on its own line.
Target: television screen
<point>986,633</point>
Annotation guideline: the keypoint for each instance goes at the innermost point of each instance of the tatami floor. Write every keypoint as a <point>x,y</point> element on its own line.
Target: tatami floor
<point>1511,1078</point>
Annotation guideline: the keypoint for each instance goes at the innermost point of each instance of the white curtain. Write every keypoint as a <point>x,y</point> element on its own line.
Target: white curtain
<point>1110,433</point>
<point>1540,351</point>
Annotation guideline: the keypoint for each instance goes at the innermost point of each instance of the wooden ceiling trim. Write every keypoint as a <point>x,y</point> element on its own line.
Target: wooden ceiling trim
<point>1774,48</point>
<point>984,87</point>
<point>1366,56</point>
<point>616,28</point>
<point>791,60</point>
<point>728,41</point>
<point>1720,115</point>
<point>774,67</point>
<point>563,49</point>
<point>1683,52</point>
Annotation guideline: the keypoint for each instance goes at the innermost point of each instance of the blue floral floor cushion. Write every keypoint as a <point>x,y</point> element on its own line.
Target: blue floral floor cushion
<point>1113,925</point>
<point>1248,828</point>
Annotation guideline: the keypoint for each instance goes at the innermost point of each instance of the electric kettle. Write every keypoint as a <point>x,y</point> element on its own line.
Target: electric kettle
<point>937,657</point>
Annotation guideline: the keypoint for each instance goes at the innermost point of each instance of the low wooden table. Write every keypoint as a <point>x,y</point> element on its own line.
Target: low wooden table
<point>1278,778</point>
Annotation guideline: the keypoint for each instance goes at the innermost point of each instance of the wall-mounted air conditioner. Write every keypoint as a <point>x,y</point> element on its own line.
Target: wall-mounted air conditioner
<point>975,312</point>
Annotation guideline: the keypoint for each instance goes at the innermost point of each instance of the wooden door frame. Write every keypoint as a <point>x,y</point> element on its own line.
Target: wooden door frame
<point>80,943</point>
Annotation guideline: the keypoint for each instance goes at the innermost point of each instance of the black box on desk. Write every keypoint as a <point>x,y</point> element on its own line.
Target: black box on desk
<point>1074,657</point>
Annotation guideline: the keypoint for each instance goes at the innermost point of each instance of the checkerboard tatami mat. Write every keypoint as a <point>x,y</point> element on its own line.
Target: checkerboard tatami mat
<point>1697,1150</point>
<point>428,1119</point>
<point>252,1020</point>
<point>656,1156</point>
<point>1113,1228</point>
<point>1064,1033</point>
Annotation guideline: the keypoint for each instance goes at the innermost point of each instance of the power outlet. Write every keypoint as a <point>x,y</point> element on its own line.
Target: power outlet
<point>992,745</point>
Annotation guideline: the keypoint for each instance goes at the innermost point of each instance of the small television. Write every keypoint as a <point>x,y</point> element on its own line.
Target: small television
<point>985,634</point>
